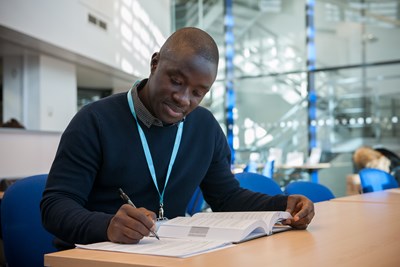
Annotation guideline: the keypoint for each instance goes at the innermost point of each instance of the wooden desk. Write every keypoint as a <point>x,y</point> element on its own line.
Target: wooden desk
<point>390,196</point>
<point>341,234</point>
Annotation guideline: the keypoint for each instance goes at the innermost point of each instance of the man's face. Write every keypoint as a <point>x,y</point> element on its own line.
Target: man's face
<point>177,85</point>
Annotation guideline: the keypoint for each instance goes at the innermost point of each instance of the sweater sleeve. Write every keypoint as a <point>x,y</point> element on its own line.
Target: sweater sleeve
<point>222,191</point>
<point>69,183</point>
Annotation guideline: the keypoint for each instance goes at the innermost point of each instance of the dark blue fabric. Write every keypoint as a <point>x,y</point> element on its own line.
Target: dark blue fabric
<point>100,151</point>
<point>376,180</point>
<point>25,239</point>
<point>258,183</point>
<point>314,191</point>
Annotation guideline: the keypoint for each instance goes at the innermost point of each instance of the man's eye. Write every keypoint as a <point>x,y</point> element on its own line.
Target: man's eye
<point>175,82</point>
<point>197,93</point>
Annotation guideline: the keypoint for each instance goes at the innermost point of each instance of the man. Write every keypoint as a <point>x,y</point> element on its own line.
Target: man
<point>158,145</point>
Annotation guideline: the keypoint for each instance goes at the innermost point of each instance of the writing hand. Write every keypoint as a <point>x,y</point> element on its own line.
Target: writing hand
<point>129,225</point>
<point>302,210</point>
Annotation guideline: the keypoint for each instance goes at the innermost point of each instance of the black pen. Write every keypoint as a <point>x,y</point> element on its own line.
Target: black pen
<point>129,201</point>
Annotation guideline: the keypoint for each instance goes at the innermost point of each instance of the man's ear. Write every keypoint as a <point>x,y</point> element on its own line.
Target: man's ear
<point>154,61</point>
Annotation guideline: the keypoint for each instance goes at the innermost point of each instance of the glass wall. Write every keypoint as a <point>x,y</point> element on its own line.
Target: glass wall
<point>358,74</point>
<point>355,75</point>
<point>270,64</point>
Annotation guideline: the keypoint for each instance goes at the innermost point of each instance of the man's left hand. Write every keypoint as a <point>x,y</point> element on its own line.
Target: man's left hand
<point>302,210</point>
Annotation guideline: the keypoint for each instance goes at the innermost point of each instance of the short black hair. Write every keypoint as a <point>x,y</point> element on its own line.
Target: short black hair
<point>194,38</point>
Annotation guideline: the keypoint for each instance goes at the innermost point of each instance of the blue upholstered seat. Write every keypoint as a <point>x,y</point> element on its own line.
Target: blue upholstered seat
<point>258,183</point>
<point>196,203</point>
<point>314,191</point>
<point>376,180</point>
<point>25,239</point>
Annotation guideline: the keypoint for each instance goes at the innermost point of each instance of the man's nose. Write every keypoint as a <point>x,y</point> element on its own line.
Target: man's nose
<point>183,96</point>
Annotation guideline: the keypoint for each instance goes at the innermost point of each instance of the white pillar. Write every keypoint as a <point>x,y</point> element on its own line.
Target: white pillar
<point>39,91</point>
<point>12,88</point>
<point>58,93</point>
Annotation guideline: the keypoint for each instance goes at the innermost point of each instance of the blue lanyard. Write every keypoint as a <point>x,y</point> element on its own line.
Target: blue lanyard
<point>147,153</point>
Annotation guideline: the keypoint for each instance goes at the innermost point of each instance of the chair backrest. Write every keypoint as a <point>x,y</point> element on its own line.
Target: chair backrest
<point>376,180</point>
<point>314,191</point>
<point>25,239</point>
<point>258,183</point>
<point>269,169</point>
<point>196,203</point>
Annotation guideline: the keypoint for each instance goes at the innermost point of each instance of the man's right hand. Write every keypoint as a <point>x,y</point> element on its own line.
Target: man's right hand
<point>130,224</point>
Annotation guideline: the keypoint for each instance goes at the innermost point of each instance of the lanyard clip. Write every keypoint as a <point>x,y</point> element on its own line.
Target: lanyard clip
<point>161,212</point>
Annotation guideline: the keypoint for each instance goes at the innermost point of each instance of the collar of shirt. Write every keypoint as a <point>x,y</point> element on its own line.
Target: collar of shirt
<point>142,112</point>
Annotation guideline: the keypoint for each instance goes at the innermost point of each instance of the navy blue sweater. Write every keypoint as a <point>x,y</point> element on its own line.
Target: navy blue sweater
<point>101,151</point>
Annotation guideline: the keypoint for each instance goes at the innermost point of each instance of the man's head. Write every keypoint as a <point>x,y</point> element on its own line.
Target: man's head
<point>181,74</point>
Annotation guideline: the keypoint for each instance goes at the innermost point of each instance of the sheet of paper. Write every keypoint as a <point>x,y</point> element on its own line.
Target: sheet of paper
<point>164,247</point>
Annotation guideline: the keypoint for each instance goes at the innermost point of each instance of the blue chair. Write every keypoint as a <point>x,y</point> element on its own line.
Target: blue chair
<point>376,180</point>
<point>196,203</point>
<point>314,191</point>
<point>258,183</point>
<point>25,239</point>
<point>251,167</point>
<point>269,169</point>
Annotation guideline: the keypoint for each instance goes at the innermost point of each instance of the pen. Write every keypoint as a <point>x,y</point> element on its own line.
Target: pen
<point>129,201</point>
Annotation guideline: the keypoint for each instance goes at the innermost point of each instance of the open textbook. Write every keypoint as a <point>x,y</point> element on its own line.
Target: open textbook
<point>226,226</point>
<point>203,232</point>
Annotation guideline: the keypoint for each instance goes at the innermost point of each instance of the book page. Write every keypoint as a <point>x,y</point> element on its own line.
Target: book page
<point>226,226</point>
<point>270,217</point>
<point>210,228</point>
<point>211,221</point>
<point>163,247</point>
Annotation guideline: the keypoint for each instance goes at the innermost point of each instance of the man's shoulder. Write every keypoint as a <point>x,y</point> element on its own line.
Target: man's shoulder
<point>202,117</point>
<point>114,98</point>
<point>107,108</point>
<point>201,112</point>
<point>107,103</point>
